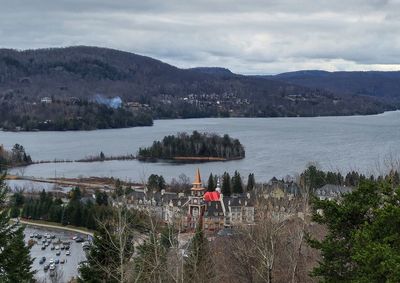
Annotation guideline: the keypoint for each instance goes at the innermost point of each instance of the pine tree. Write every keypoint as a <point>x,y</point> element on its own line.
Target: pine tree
<point>15,260</point>
<point>111,250</point>
<point>226,184</point>
<point>362,238</point>
<point>211,185</point>
<point>100,259</point>
<point>19,268</point>
<point>198,265</point>
<point>151,259</point>
<point>250,182</point>
<point>237,186</point>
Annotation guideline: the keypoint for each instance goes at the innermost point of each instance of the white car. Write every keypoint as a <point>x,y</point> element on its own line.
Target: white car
<point>51,261</point>
<point>52,266</point>
<point>57,247</point>
<point>68,253</point>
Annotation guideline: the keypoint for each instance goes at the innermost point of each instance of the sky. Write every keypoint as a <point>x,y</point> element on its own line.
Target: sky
<point>245,36</point>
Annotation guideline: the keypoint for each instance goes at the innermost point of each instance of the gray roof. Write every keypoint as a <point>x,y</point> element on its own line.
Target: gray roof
<point>213,208</point>
<point>238,201</point>
<point>333,190</point>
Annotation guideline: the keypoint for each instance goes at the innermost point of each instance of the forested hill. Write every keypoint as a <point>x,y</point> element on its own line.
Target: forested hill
<point>77,75</point>
<point>384,85</point>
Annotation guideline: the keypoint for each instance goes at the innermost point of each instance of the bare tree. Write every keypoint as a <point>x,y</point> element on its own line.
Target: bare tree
<point>256,244</point>
<point>113,246</point>
<point>297,232</point>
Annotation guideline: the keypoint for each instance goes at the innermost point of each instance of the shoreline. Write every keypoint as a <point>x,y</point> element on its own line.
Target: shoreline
<point>238,117</point>
<point>186,159</point>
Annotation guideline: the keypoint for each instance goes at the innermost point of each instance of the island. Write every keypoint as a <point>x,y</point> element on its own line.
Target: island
<point>197,147</point>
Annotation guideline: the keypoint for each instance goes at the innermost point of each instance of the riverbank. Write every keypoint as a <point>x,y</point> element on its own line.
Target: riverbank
<point>91,182</point>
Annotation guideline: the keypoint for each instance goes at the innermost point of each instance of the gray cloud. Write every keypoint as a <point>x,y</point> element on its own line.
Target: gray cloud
<point>259,36</point>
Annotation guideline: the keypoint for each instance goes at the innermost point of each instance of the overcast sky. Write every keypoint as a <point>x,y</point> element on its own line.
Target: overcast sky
<point>249,37</point>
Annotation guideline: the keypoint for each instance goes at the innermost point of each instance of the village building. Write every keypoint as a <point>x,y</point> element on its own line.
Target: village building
<point>46,100</point>
<point>332,192</point>
<point>214,211</point>
<point>196,205</point>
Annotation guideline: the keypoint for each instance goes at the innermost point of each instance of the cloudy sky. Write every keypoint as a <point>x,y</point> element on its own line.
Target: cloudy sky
<point>249,37</point>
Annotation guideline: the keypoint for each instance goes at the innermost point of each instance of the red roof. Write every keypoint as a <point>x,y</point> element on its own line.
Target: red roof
<point>211,196</point>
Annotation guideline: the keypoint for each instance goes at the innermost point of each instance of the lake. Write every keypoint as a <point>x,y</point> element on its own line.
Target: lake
<point>274,146</point>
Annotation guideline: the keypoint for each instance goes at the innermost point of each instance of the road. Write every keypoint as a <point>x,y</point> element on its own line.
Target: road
<point>77,230</point>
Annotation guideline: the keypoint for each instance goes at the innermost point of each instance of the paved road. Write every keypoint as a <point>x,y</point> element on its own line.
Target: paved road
<point>77,230</point>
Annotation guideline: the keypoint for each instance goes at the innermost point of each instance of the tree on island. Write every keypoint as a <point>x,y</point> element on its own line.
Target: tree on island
<point>195,145</point>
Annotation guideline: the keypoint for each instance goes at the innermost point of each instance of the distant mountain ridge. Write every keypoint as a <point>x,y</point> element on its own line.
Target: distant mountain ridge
<point>151,87</point>
<point>384,85</point>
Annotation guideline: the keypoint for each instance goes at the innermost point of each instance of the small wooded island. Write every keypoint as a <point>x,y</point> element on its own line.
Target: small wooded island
<point>196,147</point>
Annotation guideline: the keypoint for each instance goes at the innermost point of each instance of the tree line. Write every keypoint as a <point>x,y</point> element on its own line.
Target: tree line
<point>62,116</point>
<point>231,185</point>
<point>17,156</point>
<point>49,208</point>
<point>316,178</point>
<point>194,145</point>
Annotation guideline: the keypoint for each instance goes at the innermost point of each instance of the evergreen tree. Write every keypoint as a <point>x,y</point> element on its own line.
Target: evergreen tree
<point>211,184</point>
<point>111,249</point>
<point>251,182</point>
<point>100,259</point>
<point>198,266</point>
<point>161,183</point>
<point>237,185</point>
<point>226,184</point>
<point>15,260</point>
<point>19,268</point>
<point>151,260</point>
<point>363,235</point>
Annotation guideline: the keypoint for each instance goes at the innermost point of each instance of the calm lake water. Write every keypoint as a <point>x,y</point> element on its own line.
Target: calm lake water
<point>274,146</point>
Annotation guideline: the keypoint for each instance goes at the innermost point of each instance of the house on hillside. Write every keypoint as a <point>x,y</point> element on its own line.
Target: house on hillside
<point>46,100</point>
<point>332,192</point>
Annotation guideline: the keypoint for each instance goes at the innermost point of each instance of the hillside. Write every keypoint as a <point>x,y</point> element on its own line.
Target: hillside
<point>384,85</point>
<point>79,78</point>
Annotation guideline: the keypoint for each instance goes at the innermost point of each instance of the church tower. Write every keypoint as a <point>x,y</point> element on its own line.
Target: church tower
<point>196,203</point>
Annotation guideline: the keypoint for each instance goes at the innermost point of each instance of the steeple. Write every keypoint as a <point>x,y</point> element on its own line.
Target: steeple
<point>197,184</point>
<point>197,178</point>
